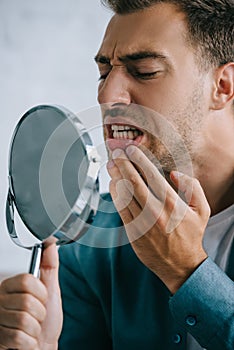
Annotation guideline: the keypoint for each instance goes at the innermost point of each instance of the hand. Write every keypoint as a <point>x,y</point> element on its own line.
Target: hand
<point>165,231</point>
<point>30,309</point>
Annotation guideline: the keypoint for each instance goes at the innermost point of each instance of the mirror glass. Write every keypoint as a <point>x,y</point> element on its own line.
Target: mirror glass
<point>53,173</point>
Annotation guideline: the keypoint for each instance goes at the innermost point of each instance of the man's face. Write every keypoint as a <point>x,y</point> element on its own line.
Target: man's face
<point>144,60</point>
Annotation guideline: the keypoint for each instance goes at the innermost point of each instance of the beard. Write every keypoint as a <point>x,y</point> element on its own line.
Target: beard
<point>176,139</point>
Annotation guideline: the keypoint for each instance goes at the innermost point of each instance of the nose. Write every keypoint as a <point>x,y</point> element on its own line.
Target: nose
<point>115,89</point>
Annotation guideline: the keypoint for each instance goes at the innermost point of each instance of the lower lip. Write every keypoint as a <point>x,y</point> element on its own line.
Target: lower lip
<point>112,144</point>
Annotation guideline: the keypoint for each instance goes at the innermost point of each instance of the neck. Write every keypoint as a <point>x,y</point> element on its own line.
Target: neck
<point>220,196</point>
<point>214,167</point>
<point>217,181</point>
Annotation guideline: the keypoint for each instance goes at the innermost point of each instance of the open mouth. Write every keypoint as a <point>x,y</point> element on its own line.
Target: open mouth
<point>121,136</point>
<point>124,132</point>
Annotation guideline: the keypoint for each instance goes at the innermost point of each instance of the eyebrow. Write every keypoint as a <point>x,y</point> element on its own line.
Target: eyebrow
<point>137,56</point>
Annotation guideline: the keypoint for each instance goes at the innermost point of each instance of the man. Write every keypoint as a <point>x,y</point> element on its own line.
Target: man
<point>166,68</point>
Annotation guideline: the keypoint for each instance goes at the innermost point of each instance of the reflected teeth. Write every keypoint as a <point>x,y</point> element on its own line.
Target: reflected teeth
<point>125,132</point>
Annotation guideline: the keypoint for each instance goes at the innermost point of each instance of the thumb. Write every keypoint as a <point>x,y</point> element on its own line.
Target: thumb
<point>52,325</point>
<point>192,191</point>
<point>49,266</point>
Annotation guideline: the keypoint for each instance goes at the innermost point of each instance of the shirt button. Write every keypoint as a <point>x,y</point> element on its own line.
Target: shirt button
<point>191,320</point>
<point>177,338</point>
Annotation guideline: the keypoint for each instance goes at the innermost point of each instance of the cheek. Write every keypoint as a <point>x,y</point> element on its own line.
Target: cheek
<point>158,96</point>
<point>99,92</point>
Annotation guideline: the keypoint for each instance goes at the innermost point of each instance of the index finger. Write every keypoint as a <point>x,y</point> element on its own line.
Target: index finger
<point>150,173</point>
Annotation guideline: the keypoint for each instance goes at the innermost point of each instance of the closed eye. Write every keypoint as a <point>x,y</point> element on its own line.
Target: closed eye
<point>145,76</point>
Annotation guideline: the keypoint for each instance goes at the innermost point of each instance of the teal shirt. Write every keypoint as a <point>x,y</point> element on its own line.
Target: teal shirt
<point>112,301</point>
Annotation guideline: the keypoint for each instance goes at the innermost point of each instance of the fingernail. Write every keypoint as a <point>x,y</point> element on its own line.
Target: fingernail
<point>110,164</point>
<point>117,153</point>
<point>177,174</point>
<point>130,150</point>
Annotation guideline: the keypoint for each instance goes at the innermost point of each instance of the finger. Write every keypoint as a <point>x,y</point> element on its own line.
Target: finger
<point>121,190</point>
<point>49,268</point>
<point>23,302</point>
<point>16,339</point>
<point>151,175</point>
<point>121,200</point>
<point>137,221</point>
<point>150,205</point>
<point>49,260</point>
<point>122,194</point>
<point>25,283</point>
<point>192,191</point>
<point>144,209</point>
<point>125,191</point>
<point>49,276</point>
<point>129,172</point>
<point>113,171</point>
<point>129,211</point>
<point>20,320</point>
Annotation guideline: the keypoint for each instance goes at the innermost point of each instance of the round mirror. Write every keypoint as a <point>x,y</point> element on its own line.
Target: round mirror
<point>53,176</point>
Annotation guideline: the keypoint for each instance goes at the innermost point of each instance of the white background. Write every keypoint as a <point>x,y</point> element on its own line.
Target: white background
<point>46,56</point>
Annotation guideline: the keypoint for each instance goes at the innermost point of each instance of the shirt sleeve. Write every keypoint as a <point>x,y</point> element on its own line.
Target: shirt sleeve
<point>84,325</point>
<point>204,306</point>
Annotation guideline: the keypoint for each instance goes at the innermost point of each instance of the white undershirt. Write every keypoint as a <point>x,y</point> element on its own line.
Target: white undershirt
<point>217,243</point>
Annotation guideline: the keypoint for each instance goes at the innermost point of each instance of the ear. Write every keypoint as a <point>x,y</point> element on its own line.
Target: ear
<point>223,92</point>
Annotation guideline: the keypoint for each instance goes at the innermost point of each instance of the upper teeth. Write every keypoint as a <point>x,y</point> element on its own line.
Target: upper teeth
<point>125,132</point>
<point>121,127</point>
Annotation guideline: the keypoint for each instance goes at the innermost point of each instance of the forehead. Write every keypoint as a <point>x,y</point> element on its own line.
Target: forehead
<point>161,27</point>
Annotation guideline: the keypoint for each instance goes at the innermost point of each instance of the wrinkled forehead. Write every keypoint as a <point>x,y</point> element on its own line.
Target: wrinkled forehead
<point>161,26</point>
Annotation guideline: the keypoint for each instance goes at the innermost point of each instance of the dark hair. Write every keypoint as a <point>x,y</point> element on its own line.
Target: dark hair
<point>210,25</point>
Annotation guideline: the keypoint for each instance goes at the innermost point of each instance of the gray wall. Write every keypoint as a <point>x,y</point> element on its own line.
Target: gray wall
<point>47,50</point>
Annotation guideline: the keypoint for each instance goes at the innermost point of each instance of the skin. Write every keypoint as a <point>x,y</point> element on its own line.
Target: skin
<point>30,308</point>
<point>200,111</point>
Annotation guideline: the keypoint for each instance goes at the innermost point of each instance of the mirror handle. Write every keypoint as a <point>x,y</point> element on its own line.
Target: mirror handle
<point>34,267</point>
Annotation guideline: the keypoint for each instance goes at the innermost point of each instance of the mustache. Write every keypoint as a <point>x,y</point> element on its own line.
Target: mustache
<point>147,120</point>
<point>130,112</point>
